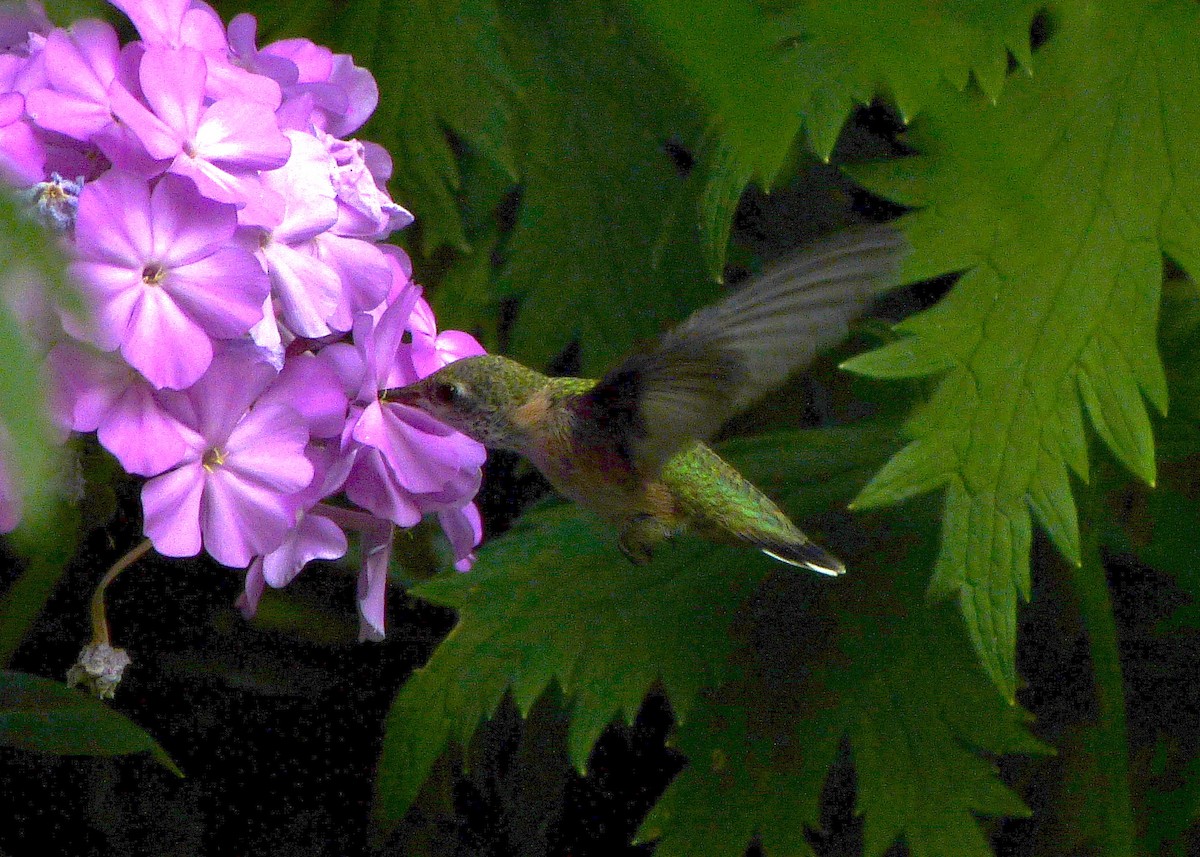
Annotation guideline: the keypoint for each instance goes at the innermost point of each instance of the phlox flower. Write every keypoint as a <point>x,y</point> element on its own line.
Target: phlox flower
<point>405,464</point>
<point>306,290</point>
<point>464,528</point>
<point>313,536</point>
<point>329,91</point>
<point>364,209</point>
<point>409,453</point>
<point>221,146</point>
<point>160,275</point>
<point>244,52</point>
<point>224,237</point>
<point>372,580</point>
<point>81,65</point>
<point>98,392</point>
<point>234,490</point>
<point>196,26</point>
<point>432,350</point>
<point>22,156</point>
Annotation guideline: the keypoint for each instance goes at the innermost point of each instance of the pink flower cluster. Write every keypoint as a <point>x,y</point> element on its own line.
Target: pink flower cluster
<point>241,317</point>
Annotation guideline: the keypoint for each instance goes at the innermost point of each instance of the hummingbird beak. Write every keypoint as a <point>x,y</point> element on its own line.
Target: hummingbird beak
<point>409,395</point>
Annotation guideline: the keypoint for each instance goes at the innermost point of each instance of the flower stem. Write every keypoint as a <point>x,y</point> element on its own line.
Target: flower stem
<point>1111,745</point>
<point>99,618</point>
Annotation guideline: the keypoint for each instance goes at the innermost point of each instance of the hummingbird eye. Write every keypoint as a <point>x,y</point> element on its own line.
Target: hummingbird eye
<point>447,394</point>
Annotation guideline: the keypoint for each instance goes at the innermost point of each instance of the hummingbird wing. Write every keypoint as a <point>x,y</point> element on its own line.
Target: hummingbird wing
<point>726,355</point>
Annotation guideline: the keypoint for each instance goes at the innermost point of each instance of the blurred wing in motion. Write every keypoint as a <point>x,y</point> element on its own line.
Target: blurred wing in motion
<point>726,355</point>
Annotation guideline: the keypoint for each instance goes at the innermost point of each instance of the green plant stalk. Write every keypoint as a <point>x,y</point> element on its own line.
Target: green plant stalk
<point>1112,744</point>
<point>48,543</point>
<point>24,601</point>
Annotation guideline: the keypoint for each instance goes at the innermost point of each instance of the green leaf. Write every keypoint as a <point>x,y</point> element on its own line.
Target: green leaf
<point>31,264</point>
<point>764,75</point>
<point>464,298</point>
<point>555,601</point>
<point>918,713</point>
<point>439,68</point>
<point>66,12</point>
<point>603,251</point>
<point>49,717</point>
<point>1058,204</point>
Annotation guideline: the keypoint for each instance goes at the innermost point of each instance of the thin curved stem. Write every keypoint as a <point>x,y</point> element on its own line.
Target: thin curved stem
<point>99,618</point>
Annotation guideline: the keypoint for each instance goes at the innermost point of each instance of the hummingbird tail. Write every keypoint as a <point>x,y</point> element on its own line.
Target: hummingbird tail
<point>804,554</point>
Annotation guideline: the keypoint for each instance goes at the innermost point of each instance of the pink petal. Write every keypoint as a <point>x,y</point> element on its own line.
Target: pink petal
<point>363,270</point>
<point>223,292</point>
<point>267,446</point>
<point>157,21</point>
<point>173,84</point>
<point>83,62</point>
<point>313,62</point>
<point>142,435</point>
<point>372,486</point>
<point>240,134</point>
<point>160,139</point>
<point>185,225</point>
<point>311,386</point>
<point>222,397</point>
<point>72,115</point>
<point>314,537</point>
<point>113,224</point>
<point>406,458</point>
<point>171,507</point>
<point>87,384</point>
<point>241,519</point>
<point>307,290</point>
<point>361,90</point>
<point>226,80</point>
<point>164,344</point>
<point>247,602</point>
<point>372,583</point>
<point>111,294</point>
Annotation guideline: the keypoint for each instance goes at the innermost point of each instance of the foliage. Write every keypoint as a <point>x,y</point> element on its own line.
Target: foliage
<point>48,717</point>
<point>581,173</point>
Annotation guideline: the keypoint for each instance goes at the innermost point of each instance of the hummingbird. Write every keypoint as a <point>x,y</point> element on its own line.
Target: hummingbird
<point>631,446</point>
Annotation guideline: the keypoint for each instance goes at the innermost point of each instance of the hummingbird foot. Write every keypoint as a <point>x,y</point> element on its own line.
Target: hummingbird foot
<point>640,534</point>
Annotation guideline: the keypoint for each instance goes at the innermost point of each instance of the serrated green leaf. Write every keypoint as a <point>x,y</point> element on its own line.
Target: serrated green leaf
<point>764,74</point>
<point>439,67</point>
<point>738,785</point>
<point>898,359</point>
<point>1051,500</point>
<point>554,601</point>
<point>917,468</point>
<point>1054,201</point>
<point>917,712</point>
<point>49,717</point>
<point>603,251</point>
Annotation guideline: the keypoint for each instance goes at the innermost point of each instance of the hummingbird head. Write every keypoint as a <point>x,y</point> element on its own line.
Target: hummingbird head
<point>476,396</point>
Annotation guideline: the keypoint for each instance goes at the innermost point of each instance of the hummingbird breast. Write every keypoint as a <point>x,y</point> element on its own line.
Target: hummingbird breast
<point>586,464</point>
